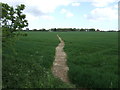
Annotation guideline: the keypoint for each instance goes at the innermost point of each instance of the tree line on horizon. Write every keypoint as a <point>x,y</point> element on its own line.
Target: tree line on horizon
<point>68,30</point>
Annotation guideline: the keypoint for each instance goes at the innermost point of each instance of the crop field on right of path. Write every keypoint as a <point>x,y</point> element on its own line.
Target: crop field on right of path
<point>92,58</point>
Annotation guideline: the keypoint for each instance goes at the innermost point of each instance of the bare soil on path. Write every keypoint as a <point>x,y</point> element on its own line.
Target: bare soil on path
<point>60,67</point>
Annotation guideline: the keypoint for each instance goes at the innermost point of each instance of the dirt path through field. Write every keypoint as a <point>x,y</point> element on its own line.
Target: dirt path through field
<point>60,67</point>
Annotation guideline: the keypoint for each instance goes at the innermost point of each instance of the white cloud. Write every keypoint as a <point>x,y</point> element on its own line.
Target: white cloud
<point>13,2</point>
<point>41,8</point>
<point>102,3</point>
<point>75,4</point>
<point>47,17</point>
<point>49,6</point>
<point>63,11</point>
<point>37,9</point>
<point>115,6</point>
<point>98,3</point>
<point>31,17</point>
<point>99,14</point>
<point>34,11</point>
<point>45,6</point>
<point>67,13</point>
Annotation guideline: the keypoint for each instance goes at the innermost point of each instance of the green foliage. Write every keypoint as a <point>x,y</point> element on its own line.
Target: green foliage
<point>92,59</point>
<point>30,66</point>
<point>12,20</point>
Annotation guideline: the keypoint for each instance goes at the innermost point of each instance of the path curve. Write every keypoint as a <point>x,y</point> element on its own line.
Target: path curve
<point>60,67</point>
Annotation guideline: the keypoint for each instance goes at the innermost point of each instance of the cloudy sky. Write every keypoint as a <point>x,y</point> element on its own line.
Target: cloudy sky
<point>98,14</point>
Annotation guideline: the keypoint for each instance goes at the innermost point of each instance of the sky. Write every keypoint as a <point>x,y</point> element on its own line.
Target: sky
<point>98,14</point>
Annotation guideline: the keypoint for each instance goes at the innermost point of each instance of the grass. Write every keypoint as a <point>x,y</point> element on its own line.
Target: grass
<point>27,63</point>
<point>92,58</point>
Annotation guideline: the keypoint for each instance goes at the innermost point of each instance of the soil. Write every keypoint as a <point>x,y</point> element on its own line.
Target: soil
<point>60,68</point>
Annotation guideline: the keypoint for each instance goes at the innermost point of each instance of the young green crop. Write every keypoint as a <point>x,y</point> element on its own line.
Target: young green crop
<point>92,58</point>
<point>30,65</point>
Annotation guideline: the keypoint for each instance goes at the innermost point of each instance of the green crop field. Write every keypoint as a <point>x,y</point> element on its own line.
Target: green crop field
<point>92,58</point>
<point>27,64</point>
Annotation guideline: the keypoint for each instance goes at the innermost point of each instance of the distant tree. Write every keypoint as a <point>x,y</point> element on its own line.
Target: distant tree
<point>27,29</point>
<point>82,29</point>
<point>111,31</point>
<point>54,29</point>
<point>34,29</point>
<point>43,29</point>
<point>98,30</point>
<point>73,29</point>
<point>92,29</point>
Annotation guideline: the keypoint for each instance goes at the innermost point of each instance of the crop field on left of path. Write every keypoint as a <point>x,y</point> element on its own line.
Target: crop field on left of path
<point>27,64</point>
